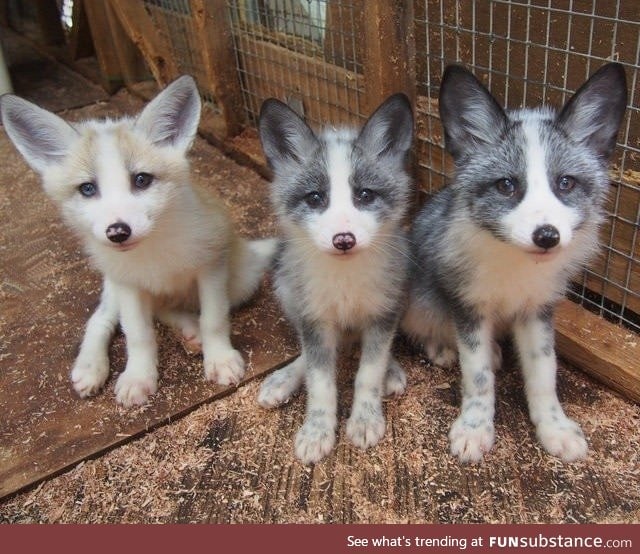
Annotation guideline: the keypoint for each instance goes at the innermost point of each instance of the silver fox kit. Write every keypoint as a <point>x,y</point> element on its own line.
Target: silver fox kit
<point>496,248</point>
<point>340,198</point>
<point>164,247</point>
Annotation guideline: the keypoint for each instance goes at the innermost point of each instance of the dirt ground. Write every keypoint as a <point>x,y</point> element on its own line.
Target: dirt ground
<point>199,456</point>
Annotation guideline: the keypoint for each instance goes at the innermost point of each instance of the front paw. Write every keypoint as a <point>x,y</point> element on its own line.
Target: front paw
<point>440,355</point>
<point>224,367</point>
<point>366,426</point>
<point>563,438</point>
<point>278,388</point>
<point>89,374</point>
<point>134,389</point>
<point>395,381</point>
<point>315,439</point>
<point>470,438</point>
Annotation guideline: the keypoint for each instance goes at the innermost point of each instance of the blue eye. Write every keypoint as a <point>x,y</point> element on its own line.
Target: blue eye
<point>88,189</point>
<point>507,187</point>
<point>142,180</point>
<point>566,183</point>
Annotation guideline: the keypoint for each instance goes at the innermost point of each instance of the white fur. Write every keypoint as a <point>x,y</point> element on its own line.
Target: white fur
<point>181,256</point>
<point>539,205</point>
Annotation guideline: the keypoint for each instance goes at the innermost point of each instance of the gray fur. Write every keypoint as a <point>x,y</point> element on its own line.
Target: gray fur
<point>324,299</point>
<point>488,145</point>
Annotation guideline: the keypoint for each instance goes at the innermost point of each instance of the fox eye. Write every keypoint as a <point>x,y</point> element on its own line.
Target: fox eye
<point>88,189</point>
<point>507,187</point>
<point>365,196</point>
<point>566,183</point>
<point>142,180</point>
<point>315,199</point>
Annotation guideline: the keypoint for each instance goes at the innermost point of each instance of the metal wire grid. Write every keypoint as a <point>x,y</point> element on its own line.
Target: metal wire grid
<point>304,52</point>
<point>174,20</point>
<point>529,52</point>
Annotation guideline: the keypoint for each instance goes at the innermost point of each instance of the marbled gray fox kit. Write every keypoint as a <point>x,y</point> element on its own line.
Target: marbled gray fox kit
<point>340,197</point>
<point>496,248</point>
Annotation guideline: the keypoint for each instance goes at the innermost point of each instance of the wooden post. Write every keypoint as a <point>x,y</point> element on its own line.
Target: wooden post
<point>215,38</point>
<point>80,41</point>
<point>389,56</point>
<point>146,37</point>
<point>110,71</point>
<point>132,64</point>
<point>48,18</point>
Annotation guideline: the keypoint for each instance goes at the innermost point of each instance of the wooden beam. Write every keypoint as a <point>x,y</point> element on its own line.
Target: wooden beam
<point>148,39</point>
<point>216,47</point>
<point>110,70</point>
<point>608,352</point>
<point>49,22</point>
<point>132,64</point>
<point>389,54</point>
<point>80,43</point>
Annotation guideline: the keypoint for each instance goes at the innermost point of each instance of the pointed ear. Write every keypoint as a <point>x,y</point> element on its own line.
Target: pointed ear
<point>284,135</point>
<point>40,136</point>
<point>171,118</point>
<point>470,114</point>
<point>389,130</point>
<point>593,114</point>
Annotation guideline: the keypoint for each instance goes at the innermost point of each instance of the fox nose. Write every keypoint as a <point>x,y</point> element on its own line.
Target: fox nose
<point>344,241</point>
<point>546,236</point>
<point>118,232</point>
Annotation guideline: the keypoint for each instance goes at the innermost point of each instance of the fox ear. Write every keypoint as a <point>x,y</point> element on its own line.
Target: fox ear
<point>172,117</point>
<point>40,136</point>
<point>594,113</point>
<point>470,114</point>
<point>389,130</point>
<point>284,135</point>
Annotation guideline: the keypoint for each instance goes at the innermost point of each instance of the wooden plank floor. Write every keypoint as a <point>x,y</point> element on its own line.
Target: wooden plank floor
<point>229,460</point>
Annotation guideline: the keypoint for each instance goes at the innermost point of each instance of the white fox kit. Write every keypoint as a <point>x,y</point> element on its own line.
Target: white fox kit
<point>164,248</point>
<point>496,248</point>
<point>340,198</point>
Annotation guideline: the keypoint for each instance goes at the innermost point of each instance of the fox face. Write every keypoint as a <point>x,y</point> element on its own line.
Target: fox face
<point>113,180</point>
<point>533,177</point>
<point>339,190</point>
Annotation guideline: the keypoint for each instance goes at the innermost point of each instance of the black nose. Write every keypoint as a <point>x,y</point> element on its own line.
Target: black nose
<point>118,232</point>
<point>344,241</point>
<point>546,237</point>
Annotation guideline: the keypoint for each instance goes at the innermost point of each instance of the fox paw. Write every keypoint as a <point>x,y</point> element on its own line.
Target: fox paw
<point>315,439</point>
<point>134,389</point>
<point>440,355</point>
<point>89,374</point>
<point>395,381</point>
<point>226,367</point>
<point>278,388</point>
<point>563,439</point>
<point>366,426</point>
<point>469,440</point>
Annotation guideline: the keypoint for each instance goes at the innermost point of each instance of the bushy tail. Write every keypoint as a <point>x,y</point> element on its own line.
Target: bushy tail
<point>249,261</point>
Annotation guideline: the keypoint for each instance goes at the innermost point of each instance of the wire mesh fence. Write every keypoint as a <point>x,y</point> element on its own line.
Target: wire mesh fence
<point>529,52</point>
<point>316,55</point>
<point>305,52</point>
<point>174,20</point>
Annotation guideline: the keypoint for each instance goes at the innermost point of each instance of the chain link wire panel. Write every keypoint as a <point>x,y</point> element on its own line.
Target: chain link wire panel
<point>530,52</point>
<point>174,20</point>
<point>307,53</point>
<point>310,54</point>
